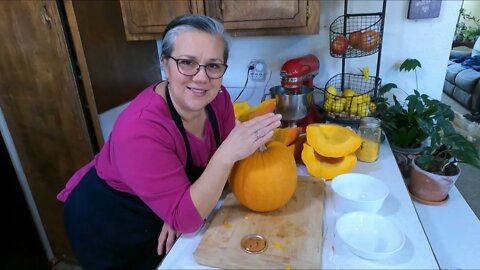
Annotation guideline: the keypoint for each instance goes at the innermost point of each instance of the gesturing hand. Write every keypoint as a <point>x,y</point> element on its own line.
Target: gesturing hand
<point>248,136</point>
<point>166,239</point>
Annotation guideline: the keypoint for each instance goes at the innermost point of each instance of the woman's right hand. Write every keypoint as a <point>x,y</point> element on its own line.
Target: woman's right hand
<point>166,239</point>
<point>248,136</point>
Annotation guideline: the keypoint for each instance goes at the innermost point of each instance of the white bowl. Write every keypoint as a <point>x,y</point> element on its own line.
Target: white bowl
<point>370,235</point>
<point>358,192</point>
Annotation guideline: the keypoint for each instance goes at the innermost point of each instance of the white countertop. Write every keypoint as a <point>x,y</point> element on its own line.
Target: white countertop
<point>398,207</point>
<point>453,231</point>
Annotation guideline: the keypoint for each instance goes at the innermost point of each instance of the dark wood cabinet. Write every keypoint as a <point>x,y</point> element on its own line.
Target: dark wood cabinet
<point>61,64</point>
<point>146,19</point>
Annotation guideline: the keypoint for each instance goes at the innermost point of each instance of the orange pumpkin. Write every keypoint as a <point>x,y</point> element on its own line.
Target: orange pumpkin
<point>266,180</point>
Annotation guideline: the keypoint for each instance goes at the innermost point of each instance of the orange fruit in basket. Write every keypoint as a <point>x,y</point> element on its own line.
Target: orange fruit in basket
<point>355,39</point>
<point>370,40</point>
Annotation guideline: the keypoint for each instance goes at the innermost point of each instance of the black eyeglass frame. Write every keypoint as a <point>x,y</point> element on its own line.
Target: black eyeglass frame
<point>198,68</point>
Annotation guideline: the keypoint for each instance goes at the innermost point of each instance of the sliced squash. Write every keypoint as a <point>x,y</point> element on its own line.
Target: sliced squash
<point>291,149</point>
<point>240,107</point>
<point>267,106</point>
<point>331,140</point>
<point>302,138</point>
<point>326,167</point>
<point>287,136</point>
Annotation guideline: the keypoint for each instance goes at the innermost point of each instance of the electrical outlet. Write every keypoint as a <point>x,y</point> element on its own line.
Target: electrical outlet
<point>257,74</point>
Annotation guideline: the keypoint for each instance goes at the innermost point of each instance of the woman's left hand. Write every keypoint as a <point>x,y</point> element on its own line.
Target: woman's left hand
<point>166,239</point>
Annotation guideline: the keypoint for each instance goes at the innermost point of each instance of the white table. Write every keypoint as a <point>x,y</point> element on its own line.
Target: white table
<point>453,231</point>
<point>398,207</point>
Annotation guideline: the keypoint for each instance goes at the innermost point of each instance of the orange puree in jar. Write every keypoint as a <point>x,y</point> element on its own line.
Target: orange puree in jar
<point>368,151</point>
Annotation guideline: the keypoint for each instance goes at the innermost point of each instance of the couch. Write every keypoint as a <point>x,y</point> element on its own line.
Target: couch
<point>462,83</point>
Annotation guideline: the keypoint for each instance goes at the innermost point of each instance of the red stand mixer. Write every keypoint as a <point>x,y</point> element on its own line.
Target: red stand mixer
<point>294,97</point>
<point>299,71</point>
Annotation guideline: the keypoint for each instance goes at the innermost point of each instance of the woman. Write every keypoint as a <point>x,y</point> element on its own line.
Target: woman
<point>167,160</point>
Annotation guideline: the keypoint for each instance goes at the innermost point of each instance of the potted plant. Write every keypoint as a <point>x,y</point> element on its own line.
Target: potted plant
<point>435,170</point>
<point>425,144</point>
<point>468,27</point>
<point>408,125</point>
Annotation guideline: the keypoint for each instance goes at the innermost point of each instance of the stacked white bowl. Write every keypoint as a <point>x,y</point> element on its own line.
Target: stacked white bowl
<point>367,234</point>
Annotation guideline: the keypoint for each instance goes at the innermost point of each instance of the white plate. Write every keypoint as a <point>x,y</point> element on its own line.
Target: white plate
<point>370,235</point>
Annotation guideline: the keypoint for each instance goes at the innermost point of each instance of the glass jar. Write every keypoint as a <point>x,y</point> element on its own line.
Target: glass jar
<point>370,132</point>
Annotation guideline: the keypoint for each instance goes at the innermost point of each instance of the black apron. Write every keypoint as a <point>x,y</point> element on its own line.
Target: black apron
<point>109,229</point>
<point>193,172</point>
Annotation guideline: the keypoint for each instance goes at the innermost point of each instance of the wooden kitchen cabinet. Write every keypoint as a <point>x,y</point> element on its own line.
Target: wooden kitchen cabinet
<point>262,18</point>
<point>61,64</point>
<point>146,19</point>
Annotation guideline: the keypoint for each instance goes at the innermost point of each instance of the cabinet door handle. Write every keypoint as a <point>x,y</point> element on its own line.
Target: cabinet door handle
<point>222,8</point>
<point>45,16</point>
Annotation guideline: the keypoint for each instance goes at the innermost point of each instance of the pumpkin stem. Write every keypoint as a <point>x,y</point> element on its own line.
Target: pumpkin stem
<point>262,148</point>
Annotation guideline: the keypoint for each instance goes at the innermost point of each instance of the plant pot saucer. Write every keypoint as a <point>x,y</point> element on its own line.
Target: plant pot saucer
<point>429,202</point>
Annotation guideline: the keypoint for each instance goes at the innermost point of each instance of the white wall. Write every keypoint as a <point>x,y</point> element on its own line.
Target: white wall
<point>428,40</point>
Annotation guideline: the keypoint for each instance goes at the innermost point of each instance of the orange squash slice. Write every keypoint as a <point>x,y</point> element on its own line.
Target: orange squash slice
<point>286,136</point>
<point>240,108</point>
<point>331,140</point>
<point>326,167</point>
<point>265,107</point>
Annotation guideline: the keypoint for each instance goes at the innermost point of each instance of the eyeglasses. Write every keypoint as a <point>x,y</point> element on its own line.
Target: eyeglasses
<point>189,67</point>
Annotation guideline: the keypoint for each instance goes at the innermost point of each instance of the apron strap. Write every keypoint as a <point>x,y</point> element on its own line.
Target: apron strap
<point>178,122</point>
<point>213,121</point>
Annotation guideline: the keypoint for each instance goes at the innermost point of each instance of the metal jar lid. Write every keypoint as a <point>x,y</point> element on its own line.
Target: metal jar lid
<point>254,243</point>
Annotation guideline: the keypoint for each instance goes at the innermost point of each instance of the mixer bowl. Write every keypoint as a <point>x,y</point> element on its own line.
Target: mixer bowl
<point>293,106</point>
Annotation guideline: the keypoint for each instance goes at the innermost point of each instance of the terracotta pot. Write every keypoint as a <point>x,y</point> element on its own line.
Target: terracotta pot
<point>404,157</point>
<point>428,187</point>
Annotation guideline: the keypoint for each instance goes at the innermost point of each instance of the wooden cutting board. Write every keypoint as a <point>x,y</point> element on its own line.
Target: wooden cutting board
<point>293,233</point>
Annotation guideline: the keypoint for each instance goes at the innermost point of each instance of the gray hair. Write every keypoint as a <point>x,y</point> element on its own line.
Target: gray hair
<point>193,22</point>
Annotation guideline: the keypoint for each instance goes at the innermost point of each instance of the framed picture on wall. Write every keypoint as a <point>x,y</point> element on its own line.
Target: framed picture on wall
<point>424,9</point>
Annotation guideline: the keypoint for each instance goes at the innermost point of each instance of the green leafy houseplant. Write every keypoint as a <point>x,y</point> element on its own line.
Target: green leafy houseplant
<point>445,151</point>
<point>464,32</point>
<point>410,124</point>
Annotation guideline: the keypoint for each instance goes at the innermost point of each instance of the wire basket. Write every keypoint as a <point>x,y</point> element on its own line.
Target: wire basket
<point>362,36</point>
<point>352,100</point>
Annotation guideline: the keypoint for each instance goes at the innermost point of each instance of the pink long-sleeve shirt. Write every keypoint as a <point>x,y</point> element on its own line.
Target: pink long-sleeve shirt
<point>145,155</point>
